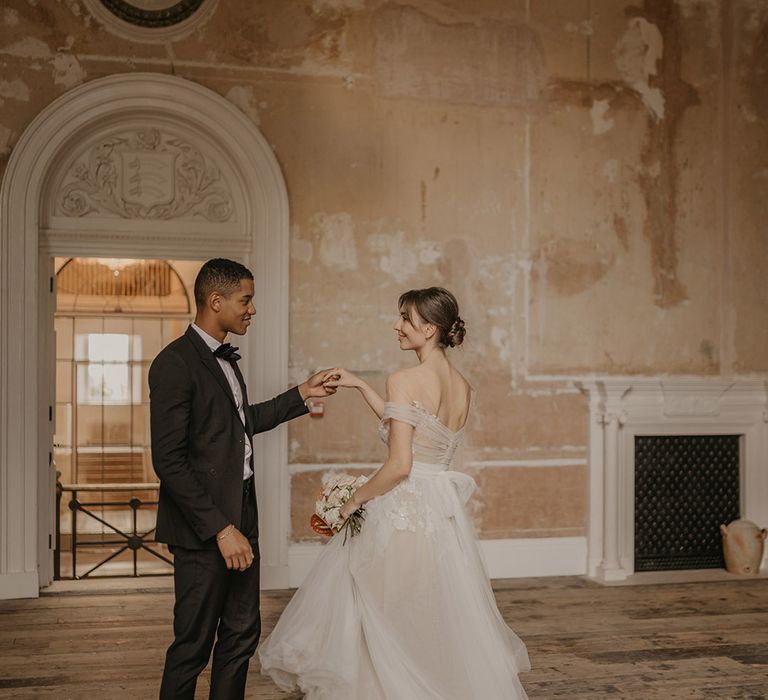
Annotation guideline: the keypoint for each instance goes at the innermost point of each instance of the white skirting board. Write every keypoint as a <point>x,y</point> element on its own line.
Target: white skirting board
<point>546,556</point>
<point>22,585</point>
<point>520,558</point>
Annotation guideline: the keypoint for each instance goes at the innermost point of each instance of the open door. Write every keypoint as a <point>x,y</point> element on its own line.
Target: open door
<point>46,482</point>
<point>112,317</point>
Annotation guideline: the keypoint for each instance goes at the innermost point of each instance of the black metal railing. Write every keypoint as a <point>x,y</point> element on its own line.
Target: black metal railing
<point>117,539</point>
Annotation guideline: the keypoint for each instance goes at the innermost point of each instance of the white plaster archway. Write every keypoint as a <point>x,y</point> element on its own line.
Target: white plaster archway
<point>135,113</point>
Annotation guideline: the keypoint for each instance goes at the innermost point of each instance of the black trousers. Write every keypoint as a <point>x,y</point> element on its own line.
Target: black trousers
<point>214,603</point>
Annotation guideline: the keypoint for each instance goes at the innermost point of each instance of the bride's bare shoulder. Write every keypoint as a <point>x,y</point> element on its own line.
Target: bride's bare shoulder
<point>401,376</point>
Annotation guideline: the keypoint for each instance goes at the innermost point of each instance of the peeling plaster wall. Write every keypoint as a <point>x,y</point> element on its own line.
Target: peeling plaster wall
<point>588,176</point>
<point>745,260</point>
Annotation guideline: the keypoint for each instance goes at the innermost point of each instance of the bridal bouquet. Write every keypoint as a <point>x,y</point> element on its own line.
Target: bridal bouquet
<point>337,490</point>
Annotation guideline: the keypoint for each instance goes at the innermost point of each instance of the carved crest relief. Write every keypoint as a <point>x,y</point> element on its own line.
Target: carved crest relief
<point>145,174</point>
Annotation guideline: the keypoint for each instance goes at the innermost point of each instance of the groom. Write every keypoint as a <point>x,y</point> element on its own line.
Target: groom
<point>202,425</point>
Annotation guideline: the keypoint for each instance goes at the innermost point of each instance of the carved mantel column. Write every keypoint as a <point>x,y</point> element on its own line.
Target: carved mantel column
<point>610,568</point>
<point>612,418</point>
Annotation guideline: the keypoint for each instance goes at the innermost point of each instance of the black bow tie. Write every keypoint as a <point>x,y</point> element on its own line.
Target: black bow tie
<point>226,352</point>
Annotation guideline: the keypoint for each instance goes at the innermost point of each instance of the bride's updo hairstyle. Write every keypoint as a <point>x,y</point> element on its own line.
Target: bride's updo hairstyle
<point>438,307</point>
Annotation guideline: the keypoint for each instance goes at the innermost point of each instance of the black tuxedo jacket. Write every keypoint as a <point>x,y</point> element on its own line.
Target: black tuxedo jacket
<point>198,440</point>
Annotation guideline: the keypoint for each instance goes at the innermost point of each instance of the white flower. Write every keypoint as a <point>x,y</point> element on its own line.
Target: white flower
<point>337,490</point>
<point>332,517</point>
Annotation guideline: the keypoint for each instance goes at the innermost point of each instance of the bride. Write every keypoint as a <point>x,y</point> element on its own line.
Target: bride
<point>404,610</point>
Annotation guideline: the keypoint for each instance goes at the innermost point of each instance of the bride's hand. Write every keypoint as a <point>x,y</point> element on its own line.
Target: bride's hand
<point>339,377</point>
<point>348,508</point>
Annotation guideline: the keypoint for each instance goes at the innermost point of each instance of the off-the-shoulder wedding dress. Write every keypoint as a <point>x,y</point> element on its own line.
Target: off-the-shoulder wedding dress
<point>404,610</point>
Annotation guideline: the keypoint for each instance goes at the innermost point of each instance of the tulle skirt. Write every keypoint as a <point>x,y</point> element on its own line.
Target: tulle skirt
<point>402,611</point>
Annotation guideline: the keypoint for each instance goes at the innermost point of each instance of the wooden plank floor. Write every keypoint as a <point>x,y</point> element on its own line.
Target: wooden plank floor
<point>696,640</point>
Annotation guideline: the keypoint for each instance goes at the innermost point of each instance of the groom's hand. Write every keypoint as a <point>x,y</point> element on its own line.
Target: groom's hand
<point>235,548</point>
<point>314,387</point>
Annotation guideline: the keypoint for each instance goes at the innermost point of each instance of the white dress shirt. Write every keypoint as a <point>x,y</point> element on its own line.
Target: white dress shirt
<point>229,373</point>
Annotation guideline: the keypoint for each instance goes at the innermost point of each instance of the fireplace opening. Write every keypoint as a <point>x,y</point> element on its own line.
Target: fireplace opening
<point>685,487</point>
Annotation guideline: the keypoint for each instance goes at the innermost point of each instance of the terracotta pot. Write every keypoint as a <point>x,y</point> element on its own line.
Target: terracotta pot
<point>743,545</point>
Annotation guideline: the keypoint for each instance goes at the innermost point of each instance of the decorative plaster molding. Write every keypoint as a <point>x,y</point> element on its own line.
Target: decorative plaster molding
<point>144,174</point>
<point>151,35</point>
<point>608,417</point>
<point>681,398</point>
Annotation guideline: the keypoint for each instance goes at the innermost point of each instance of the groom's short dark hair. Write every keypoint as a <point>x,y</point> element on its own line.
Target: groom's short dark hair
<point>219,275</point>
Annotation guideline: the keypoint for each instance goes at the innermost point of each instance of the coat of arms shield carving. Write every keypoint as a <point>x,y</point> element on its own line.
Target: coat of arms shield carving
<point>148,177</point>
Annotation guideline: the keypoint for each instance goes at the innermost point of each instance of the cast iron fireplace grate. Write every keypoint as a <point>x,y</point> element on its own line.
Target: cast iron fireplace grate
<point>685,486</point>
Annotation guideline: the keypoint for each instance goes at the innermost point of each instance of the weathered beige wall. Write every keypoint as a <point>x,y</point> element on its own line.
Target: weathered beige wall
<point>588,176</point>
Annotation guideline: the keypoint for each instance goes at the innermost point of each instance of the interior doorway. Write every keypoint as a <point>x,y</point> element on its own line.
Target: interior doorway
<point>137,166</point>
<point>112,317</point>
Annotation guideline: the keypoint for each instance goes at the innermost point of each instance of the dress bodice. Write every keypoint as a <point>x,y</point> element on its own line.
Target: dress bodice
<point>433,442</point>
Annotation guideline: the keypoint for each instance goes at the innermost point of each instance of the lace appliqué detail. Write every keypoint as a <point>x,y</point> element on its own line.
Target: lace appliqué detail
<point>406,508</point>
<point>420,406</point>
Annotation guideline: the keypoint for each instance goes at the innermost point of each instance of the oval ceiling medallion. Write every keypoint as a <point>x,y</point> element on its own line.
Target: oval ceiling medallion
<point>153,13</point>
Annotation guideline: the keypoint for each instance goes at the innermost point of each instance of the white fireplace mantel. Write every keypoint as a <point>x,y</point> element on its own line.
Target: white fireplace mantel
<point>621,408</point>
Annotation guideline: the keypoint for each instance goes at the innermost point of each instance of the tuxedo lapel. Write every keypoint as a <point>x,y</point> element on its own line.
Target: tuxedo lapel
<point>211,364</point>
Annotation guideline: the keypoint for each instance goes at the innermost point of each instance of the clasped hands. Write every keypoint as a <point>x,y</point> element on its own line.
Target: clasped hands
<point>317,386</point>
<point>327,382</point>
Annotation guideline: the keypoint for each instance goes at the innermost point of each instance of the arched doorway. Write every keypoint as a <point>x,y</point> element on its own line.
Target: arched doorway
<point>130,166</point>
